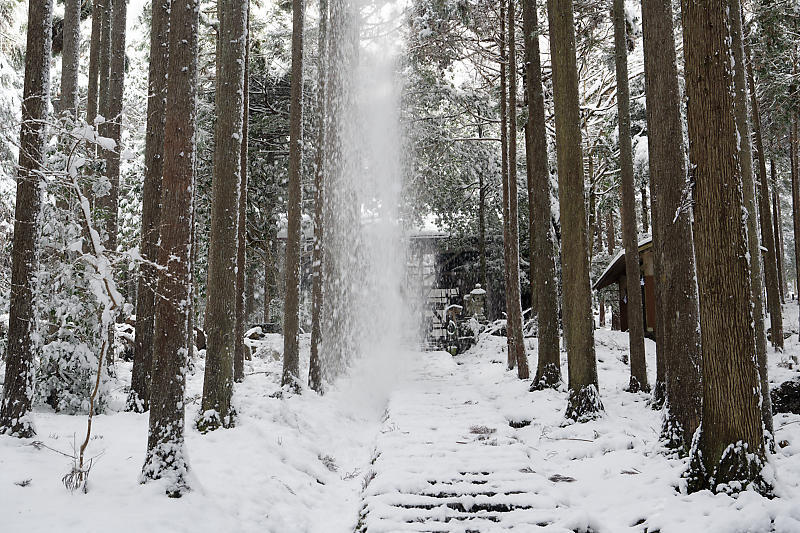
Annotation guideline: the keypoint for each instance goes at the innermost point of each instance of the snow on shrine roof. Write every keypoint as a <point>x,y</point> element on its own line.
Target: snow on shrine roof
<point>616,267</point>
<point>428,234</point>
<point>428,229</point>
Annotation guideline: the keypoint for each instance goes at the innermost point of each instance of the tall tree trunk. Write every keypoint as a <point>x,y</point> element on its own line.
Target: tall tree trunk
<point>531,199</point>
<point>777,225</point>
<point>793,148</point>
<point>104,62</point>
<point>767,236</point>
<point>241,239</point>
<point>101,114</point>
<point>482,224</point>
<point>601,299</point>
<point>67,105</point>
<point>98,7</point>
<point>267,279</point>
<point>220,318</point>
<point>592,207</point>
<point>317,302</point>
<point>782,247</point>
<point>70,58</point>
<point>109,204</point>
<point>139,399</point>
<point>482,218</point>
<point>627,194</point>
<point>749,196</point>
<point>611,246</point>
<point>166,456</point>
<point>98,81</point>
<point>584,398</point>
<point>291,318</point>
<point>599,231</point>
<point>543,269</point>
<point>678,336</point>
<point>645,218</point>
<point>511,358</point>
<point>15,417</point>
<point>250,290</point>
<point>515,303</point>
<point>191,334</point>
<point>730,448</point>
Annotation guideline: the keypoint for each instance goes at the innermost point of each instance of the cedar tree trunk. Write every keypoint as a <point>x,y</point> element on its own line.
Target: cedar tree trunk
<point>584,398</point>
<point>728,453</point>
<point>543,268</point>
<point>166,456</point>
<point>627,194</point>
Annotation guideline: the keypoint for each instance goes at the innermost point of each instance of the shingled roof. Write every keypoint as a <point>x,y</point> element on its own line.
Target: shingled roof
<point>616,267</point>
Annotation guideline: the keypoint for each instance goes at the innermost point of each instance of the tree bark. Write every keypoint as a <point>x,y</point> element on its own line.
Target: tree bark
<point>611,247</point>
<point>678,337</point>
<point>749,195</point>
<point>267,279</point>
<point>70,58</point>
<point>139,399</point>
<point>101,111</point>
<point>645,218</point>
<point>220,319</point>
<point>611,240</point>
<point>601,299</point>
<point>511,353</point>
<point>777,224</point>
<point>317,302</point>
<point>730,447</point>
<point>543,270</point>
<point>528,175</point>
<point>515,302</point>
<point>531,229</point>
<point>191,334</point>
<point>599,231</point>
<point>166,456</point>
<point>584,398</point>
<point>592,206</point>
<point>112,128</point>
<point>291,318</point>
<point>767,236</point>
<point>482,222</point>
<point>793,147</point>
<point>241,244</point>
<point>250,292</point>
<point>67,105</point>
<point>633,276</point>
<point>98,8</point>
<point>15,417</point>
<point>104,61</point>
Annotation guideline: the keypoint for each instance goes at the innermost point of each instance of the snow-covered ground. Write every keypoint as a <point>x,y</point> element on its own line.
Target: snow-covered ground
<point>412,436</point>
<point>289,465</point>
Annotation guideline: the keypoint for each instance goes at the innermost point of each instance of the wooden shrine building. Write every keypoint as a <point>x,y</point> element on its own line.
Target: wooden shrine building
<point>615,273</point>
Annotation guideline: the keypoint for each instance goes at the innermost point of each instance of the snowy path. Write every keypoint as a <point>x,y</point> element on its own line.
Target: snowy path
<point>448,460</point>
<point>465,447</point>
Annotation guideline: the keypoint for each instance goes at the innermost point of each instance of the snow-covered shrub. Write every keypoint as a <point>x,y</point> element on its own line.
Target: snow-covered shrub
<point>70,323</point>
<point>70,329</point>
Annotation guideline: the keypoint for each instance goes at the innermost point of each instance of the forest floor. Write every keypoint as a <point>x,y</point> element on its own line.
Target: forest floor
<point>408,442</point>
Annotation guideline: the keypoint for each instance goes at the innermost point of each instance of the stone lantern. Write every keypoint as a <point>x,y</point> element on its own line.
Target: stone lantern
<point>477,303</point>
